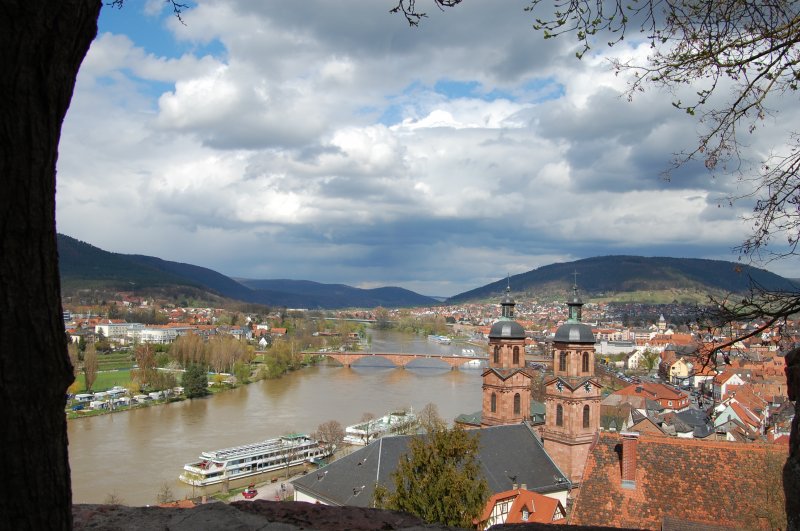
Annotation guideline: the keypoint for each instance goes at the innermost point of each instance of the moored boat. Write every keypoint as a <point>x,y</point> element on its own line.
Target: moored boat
<point>444,340</point>
<point>250,459</point>
<point>393,423</point>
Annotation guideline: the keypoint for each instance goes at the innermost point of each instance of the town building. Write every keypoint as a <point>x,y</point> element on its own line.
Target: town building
<point>506,383</point>
<point>508,455</point>
<point>518,506</point>
<point>645,482</point>
<point>572,395</point>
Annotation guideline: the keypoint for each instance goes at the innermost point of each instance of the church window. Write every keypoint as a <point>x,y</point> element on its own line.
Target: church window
<point>494,403</point>
<point>516,404</point>
<point>562,361</point>
<point>497,354</point>
<point>516,355</point>
<point>585,367</point>
<point>586,416</point>
<point>559,415</point>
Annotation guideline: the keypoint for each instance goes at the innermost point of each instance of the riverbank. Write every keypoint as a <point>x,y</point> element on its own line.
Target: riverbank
<point>134,454</point>
<point>123,380</point>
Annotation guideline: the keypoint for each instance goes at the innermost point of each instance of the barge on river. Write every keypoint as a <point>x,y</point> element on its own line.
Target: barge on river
<point>251,459</point>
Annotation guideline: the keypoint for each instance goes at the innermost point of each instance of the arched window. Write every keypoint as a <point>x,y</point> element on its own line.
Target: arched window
<point>585,362</point>
<point>586,416</point>
<point>516,355</point>
<point>516,404</point>
<point>494,402</point>
<point>562,361</point>
<point>559,415</point>
<point>496,354</point>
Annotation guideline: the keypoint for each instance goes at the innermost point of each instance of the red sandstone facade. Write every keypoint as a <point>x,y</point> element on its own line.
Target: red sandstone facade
<point>506,383</point>
<point>572,397</point>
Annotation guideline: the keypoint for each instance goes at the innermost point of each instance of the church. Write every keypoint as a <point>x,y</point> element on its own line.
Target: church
<point>512,455</point>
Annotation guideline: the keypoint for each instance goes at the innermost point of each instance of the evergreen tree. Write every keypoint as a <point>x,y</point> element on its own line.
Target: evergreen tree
<point>195,381</point>
<point>439,479</point>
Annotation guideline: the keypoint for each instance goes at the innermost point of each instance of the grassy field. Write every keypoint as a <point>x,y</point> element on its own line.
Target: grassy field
<point>114,360</point>
<point>106,380</point>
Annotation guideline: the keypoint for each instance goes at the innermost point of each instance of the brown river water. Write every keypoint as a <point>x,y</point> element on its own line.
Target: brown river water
<point>132,454</point>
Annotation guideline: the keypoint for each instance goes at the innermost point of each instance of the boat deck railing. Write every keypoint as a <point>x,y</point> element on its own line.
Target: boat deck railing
<point>264,446</point>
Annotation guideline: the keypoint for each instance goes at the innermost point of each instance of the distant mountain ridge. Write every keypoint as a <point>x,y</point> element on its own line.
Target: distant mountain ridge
<point>604,275</point>
<point>83,265</point>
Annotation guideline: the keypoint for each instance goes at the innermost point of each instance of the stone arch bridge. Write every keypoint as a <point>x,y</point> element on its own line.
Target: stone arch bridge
<point>399,359</point>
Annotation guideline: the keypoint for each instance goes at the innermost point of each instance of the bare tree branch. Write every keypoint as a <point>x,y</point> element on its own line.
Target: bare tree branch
<point>177,7</point>
<point>409,9</point>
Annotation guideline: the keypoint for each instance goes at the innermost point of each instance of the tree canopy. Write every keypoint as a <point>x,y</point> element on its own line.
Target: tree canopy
<point>439,479</point>
<point>195,381</point>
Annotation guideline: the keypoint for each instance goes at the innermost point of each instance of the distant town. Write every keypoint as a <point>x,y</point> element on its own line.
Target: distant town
<point>576,378</point>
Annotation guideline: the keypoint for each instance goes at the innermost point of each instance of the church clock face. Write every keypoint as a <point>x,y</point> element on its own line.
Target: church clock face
<point>559,386</point>
<point>587,387</point>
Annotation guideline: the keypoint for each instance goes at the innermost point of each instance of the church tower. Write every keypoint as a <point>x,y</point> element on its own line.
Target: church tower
<point>572,395</point>
<point>506,383</point>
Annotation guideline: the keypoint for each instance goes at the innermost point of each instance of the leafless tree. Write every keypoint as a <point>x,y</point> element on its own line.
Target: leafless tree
<point>113,498</point>
<point>331,433</point>
<point>90,365</point>
<point>165,494</point>
<point>429,418</point>
<point>368,421</point>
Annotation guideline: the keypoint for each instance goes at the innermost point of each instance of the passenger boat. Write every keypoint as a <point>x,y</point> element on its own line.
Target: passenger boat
<point>248,460</point>
<point>365,432</point>
<point>444,340</point>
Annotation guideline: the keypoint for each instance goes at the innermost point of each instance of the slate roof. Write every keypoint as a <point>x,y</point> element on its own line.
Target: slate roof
<point>574,333</point>
<point>506,329</point>
<point>508,454</point>
<point>708,482</point>
<point>538,410</point>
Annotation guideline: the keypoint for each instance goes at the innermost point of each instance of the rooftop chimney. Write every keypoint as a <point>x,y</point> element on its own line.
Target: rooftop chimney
<point>630,440</point>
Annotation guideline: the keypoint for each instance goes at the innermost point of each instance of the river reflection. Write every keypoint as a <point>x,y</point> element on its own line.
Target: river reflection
<point>133,453</point>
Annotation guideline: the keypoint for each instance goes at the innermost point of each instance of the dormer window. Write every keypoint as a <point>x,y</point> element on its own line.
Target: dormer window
<point>525,514</point>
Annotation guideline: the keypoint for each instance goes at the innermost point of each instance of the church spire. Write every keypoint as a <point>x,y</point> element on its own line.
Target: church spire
<point>507,303</point>
<point>575,304</point>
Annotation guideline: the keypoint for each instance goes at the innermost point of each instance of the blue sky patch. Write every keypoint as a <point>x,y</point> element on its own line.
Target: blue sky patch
<point>151,32</point>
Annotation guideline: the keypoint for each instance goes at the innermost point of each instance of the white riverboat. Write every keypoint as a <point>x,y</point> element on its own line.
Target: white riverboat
<point>250,459</point>
<point>444,340</point>
<point>394,423</point>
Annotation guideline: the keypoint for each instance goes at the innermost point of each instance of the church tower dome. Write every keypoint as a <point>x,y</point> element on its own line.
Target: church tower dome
<point>507,327</point>
<point>572,394</point>
<point>506,383</point>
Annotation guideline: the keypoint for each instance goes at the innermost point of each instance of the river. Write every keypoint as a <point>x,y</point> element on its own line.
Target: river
<point>132,454</point>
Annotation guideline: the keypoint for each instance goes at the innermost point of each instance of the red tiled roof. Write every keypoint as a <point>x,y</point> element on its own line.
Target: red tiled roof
<point>653,391</point>
<point>712,482</point>
<point>179,504</point>
<point>744,414</point>
<point>540,507</point>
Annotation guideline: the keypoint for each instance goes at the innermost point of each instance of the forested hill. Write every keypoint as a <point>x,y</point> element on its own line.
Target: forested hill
<point>632,278</point>
<point>84,266</point>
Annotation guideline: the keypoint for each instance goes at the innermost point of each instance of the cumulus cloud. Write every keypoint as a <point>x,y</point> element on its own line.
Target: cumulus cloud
<point>330,142</point>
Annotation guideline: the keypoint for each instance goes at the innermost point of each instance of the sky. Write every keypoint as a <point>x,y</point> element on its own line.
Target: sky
<point>330,141</point>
